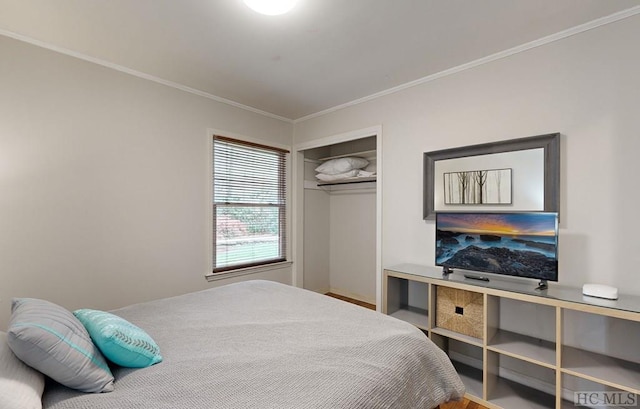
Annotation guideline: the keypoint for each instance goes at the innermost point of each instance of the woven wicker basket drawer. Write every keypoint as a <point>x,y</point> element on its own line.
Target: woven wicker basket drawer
<point>460,311</point>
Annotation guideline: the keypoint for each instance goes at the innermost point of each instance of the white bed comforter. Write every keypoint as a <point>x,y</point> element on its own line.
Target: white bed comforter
<point>260,344</point>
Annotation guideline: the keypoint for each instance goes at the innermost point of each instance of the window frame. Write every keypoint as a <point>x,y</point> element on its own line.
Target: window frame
<point>284,209</point>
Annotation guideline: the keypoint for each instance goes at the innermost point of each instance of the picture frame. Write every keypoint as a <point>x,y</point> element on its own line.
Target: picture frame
<point>543,150</point>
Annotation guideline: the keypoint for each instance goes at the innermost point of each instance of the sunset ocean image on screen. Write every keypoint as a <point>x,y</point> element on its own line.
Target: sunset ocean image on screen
<point>519,244</point>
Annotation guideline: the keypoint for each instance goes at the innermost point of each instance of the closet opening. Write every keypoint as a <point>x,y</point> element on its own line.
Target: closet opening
<point>338,214</point>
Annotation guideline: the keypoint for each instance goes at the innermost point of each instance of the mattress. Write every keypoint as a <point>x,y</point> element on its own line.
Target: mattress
<point>261,344</point>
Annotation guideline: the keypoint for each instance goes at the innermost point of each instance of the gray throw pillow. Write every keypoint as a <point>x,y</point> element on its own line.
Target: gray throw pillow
<point>50,339</point>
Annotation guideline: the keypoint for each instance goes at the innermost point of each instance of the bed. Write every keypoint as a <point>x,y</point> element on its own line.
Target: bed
<point>261,344</point>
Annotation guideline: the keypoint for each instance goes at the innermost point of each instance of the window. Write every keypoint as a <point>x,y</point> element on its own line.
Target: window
<point>249,204</point>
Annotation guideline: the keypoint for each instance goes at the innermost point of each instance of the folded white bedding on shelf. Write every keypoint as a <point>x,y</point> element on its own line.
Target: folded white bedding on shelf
<point>352,174</point>
<point>342,169</point>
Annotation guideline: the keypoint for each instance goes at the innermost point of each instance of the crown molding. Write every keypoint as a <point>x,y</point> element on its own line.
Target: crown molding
<point>139,74</point>
<point>493,57</point>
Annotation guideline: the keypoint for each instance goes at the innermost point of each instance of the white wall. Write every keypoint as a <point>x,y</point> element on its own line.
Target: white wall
<point>340,242</point>
<point>353,245</point>
<point>585,86</point>
<point>103,181</point>
<point>316,241</point>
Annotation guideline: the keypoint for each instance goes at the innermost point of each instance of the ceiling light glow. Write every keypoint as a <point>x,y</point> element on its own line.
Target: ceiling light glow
<point>271,7</point>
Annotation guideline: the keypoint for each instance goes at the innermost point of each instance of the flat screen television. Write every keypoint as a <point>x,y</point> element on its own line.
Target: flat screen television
<point>513,244</point>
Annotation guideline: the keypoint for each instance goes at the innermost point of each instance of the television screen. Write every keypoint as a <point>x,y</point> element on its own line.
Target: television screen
<point>515,244</point>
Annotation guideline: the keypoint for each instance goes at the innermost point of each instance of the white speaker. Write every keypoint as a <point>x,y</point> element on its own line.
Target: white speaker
<point>600,291</point>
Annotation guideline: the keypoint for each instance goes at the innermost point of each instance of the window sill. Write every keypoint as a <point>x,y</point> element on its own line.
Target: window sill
<point>248,270</point>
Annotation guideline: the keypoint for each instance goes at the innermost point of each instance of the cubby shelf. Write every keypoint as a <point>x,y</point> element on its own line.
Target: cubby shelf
<point>413,315</point>
<point>471,378</point>
<point>457,336</point>
<point>600,368</point>
<point>548,356</point>
<point>524,347</point>
<point>509,394</point>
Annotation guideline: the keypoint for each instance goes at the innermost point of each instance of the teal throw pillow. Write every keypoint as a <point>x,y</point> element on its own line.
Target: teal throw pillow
<point>120,341</point>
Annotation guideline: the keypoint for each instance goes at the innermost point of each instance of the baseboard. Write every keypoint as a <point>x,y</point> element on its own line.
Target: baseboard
<point>348,294</point>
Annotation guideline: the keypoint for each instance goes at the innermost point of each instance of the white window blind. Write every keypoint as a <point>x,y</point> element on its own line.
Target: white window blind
<point>249,204</point>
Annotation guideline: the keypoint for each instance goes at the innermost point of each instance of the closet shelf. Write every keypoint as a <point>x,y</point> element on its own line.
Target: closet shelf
<point>348,181</point>
<point>365,186</point>
<point>362,154</point>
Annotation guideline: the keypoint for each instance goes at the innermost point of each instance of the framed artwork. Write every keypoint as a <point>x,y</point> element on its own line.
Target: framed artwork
<point>527,172</point>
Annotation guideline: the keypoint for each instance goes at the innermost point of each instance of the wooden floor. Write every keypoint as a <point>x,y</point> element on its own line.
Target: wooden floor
<point>464,404</point>
<point>352,301</point>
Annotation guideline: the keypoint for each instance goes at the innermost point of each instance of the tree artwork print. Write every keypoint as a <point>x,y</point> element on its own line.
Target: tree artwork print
<point>478,187</point>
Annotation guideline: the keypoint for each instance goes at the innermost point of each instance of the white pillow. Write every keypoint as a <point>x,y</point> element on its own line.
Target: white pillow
<point>20,385</point>
<point>341,165</point>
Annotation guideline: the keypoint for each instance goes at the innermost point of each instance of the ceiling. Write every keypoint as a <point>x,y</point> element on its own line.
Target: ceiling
<point>323,54</point>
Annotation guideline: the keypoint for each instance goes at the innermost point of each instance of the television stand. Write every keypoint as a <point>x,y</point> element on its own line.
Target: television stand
<point>499,334</point>
<point>542,285</point>
<point>475,277</point>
